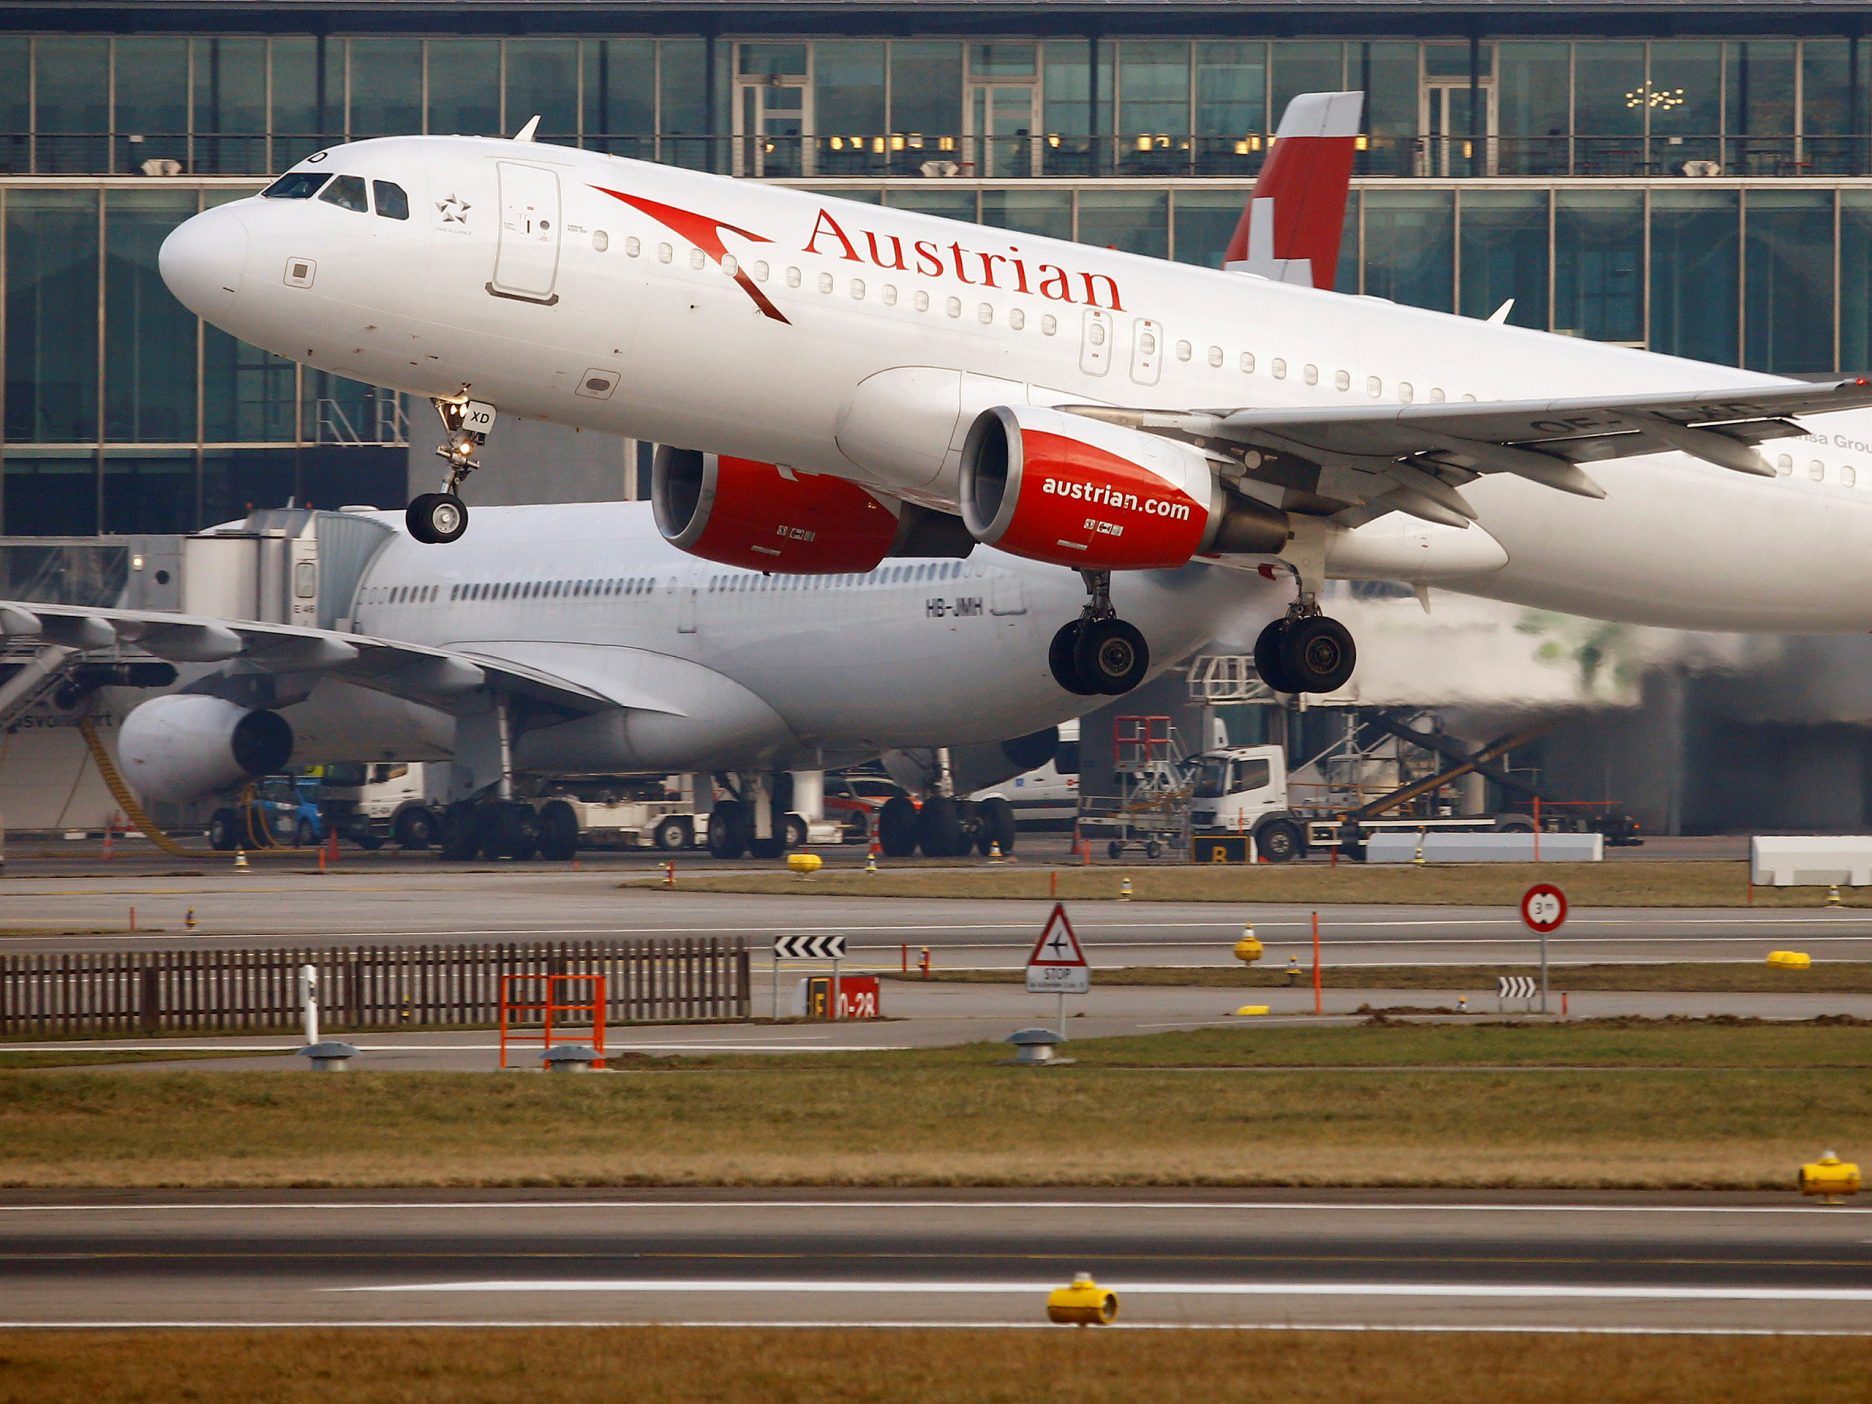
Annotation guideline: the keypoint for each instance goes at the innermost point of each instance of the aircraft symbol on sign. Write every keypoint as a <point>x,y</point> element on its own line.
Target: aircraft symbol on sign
<point>1058,944</point>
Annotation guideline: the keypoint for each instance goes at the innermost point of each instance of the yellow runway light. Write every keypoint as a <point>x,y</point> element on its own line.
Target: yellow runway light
<point>1249,1010</point>
<point>805,864</point>
<point>1829,1177</point>
<point>1790,960</point>
<point>1085,1303</point>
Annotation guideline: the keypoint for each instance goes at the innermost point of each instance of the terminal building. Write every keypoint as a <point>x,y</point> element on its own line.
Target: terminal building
<point>1693,177</point>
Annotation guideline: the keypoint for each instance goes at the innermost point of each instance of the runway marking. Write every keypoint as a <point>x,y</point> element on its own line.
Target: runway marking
<point>972,1205</point>
<point>559,1323</point>
<point>1463,1290</point>
<point>726,1046</point>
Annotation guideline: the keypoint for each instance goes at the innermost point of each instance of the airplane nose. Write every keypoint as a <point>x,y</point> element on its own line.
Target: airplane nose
<point>201,262</point>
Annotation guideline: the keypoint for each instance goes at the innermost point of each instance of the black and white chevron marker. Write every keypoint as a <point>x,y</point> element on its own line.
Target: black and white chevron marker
<point>809,947</point>
<point>1516,987</point>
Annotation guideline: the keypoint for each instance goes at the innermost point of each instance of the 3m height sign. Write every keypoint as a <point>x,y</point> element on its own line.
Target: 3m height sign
<point>1058,964</point>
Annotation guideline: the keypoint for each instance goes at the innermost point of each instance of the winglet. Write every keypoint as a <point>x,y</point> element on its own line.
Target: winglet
<point>526,132</point>
<point>1295,217</point>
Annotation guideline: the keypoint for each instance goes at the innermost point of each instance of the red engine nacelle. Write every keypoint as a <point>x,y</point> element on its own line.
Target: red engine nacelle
<point>761,517</point>
<point>1078,492</point>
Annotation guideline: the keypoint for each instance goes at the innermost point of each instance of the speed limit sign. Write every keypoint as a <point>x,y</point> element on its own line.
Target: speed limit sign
<point>1544,908</point>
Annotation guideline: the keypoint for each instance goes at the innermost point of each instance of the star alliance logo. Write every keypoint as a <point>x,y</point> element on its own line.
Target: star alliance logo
<point>453,210</point>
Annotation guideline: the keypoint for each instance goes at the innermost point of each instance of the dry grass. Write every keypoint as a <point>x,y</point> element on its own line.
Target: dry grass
<point>655,1365</point>
<point>1631,884</point>
<point>1628,1105</point>
<point>1700,977</point>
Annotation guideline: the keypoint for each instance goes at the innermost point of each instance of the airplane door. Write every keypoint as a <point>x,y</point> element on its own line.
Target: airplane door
<point>685,609</point>
<point>1146,351</point>
<point>1005,594</point>
<point>1095,342</point>
<point>526,261</point>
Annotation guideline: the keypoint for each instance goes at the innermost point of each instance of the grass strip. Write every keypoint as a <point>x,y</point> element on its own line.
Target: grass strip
<point>661,1365</point>
<point>1718,1105</point>
<point>1693,977</point>
<point>1630,884</point>
<point>24,1059</point>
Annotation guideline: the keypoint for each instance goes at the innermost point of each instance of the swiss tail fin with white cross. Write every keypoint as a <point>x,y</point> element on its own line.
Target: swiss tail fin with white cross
<point>1290,230</point>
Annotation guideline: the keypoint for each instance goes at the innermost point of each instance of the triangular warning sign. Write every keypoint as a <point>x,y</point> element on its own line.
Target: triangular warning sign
<point>1058,945</point>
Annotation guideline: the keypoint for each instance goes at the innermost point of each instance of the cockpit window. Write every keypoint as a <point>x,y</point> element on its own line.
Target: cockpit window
<point>296,185</point>
<point>347,192</point>
<point>392,203</point>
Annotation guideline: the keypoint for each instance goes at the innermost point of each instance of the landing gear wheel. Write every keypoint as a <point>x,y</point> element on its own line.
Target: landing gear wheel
<point>796,833</point>
<point>370,843</point>
<point>897,827</point>
<point>997,826</point>
<point>1060,658</point>
<point>511,833</point>
<point>939,828</point>
<point>1111,656</point>
<point>460,833</point>
<point>1267,657</point>
<point>558,831</point>
<point>436,518</point>
<point>671,834</point>
<point>415,830</point>
<point>1317,654</point>
<point>225,832</point>
<point>728,830</point>
<point>1280,841</point>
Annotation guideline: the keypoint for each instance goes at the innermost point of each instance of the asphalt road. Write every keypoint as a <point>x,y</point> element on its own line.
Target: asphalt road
<point>1614,1262</point>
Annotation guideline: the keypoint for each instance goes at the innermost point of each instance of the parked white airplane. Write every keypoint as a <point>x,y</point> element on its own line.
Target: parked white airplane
<point>1079,406</point>
<point>568,640</point>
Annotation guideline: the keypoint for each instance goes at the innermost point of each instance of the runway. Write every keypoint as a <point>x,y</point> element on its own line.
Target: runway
<point>1405,1260</point>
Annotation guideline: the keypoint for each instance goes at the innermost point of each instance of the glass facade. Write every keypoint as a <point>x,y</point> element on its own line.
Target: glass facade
<point>1044,106</point>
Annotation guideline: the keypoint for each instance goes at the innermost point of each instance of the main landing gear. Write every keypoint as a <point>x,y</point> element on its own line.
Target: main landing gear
<point>1098,653</point>
<point>440,517</point>
<point>1305,652</point>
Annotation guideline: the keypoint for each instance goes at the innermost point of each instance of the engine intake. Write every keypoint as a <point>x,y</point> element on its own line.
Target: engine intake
<point>1077,492</point>
<point>183,745</point>
<point>761,517</point>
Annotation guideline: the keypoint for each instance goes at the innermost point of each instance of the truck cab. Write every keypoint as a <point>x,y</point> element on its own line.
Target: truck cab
<point>1243,790</point>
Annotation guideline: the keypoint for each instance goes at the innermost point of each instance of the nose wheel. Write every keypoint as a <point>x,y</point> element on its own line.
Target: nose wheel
<point>1098,653</point>
<point>437,518</point>
<point>1305,652</point>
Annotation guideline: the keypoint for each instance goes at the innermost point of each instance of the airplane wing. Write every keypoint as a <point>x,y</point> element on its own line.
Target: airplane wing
<point>443,678</point>
<point>1357,463</point>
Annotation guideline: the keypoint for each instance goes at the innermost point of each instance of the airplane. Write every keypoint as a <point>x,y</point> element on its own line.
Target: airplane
<point>1093,410</point>
<point>574,640</point>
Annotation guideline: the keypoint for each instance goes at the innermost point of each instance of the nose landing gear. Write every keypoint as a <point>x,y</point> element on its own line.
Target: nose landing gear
<point>440,517</point>
<point>1098,653</point>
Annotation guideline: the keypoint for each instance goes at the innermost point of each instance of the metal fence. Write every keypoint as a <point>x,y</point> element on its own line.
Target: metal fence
<point>69,995</point>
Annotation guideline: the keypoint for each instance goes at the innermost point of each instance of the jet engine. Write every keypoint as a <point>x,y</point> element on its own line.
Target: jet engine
<point>1077,492</point>
<point>763,517</point>
<point>183,745</point>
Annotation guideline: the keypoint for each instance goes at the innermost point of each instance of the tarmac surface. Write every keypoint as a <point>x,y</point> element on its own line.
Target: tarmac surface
<point>1401,1259</point>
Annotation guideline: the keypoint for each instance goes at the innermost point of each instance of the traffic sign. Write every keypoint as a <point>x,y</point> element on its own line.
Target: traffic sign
<point>809,947</point>
<point>1544,908</point>
<point>1058,963</point>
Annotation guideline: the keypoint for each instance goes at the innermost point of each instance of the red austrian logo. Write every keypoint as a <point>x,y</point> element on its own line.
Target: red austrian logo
<point>705,234</point>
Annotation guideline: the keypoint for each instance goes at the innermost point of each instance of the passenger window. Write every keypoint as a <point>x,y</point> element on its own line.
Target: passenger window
<point>921,301</point>
<point>633,246</point>
<point>296,185</point>
<point>392,203</point>
<point>1247,363</point>
<point>1784,464</point>
<point>792,277</point>
<point>1436,393</point>
<point>601,241</point>
<point>889,293</point>
<point>1342,380</point>
<point>858,289</point>
<point>1310,373</point>
<point>696,258</point>
<point>1279,367</point>
<point>825,282</point>
<point>1048,324</point>
<point>1095,332</point>
<point>1374,386</point>
<point>729,265</point>
<point>1215,356</point>
<point>1017,319</point>
<point>1184,350</point>
<point>347,193</point>
<point>984,313</point>
<point>1848,476</point>
<point>953,307</point>
<point>760,271</point>
<point>1404,392</point>
<point>665,253</point>
<point>1817,471</point>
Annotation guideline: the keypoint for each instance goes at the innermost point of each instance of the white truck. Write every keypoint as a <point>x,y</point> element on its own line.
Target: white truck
<point>1243,790</point>
<point>384,802</point>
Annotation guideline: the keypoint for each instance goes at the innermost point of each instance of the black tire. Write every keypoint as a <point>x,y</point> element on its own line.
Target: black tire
<point>998,820</point>
<point>459,833</point>
<point>1062,657</point>
<point>304,835</point>
<point>939,828</point>
<point>437,518</point>
<point>415,830</point>
<point>767,849</point>
<point>1280,841</point>
<point>1114,849</point>
<point>1153,849</point>
<point>225,832</point>
<point>370,843</point>
<point>512,834</point>
<point>557,829</point>
<point>897,827</point>
<point>728,829</point>
<point>1111,656</point>
<point>1514,823</point>
<point>416,518</point>
<point>1318,654</point>
<point>796,833</point>
<point>1267,657</point>
<point>974,838</point>
<point>672,834</point>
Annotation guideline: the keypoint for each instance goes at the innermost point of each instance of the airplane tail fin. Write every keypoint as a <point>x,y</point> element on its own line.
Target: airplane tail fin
<point>1290,230</point>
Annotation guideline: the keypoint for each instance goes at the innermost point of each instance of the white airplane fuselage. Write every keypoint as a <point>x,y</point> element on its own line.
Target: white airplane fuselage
<point>752,320</point>
<point>720,668</point>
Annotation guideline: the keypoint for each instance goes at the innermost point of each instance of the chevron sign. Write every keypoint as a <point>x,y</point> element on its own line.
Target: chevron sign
<point>809,947</point>
<point>1516,987</point>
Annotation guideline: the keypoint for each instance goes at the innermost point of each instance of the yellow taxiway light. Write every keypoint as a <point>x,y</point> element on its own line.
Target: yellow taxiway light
<point>1084,1303</point>
<point>805,864</point>
<point>1829,1177</point>
<point>1790,960</point>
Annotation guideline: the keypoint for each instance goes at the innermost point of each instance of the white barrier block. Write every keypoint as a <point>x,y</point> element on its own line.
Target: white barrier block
<point>1401,847</point>
<point>1808,860</point>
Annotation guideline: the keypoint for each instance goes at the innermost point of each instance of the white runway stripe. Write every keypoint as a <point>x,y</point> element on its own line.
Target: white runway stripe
<point>394,1324</point>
